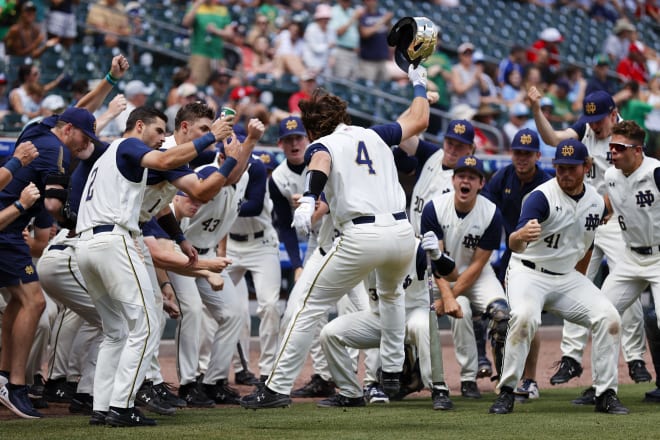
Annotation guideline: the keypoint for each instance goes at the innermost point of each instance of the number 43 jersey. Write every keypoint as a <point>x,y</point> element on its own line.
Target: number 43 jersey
<point>567,232</point>
<point>363,178</point>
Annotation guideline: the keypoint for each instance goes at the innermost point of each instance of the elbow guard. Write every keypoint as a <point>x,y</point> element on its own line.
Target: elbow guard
<point>314,183</point>
<point>170,226</point>
<point>443,266</point>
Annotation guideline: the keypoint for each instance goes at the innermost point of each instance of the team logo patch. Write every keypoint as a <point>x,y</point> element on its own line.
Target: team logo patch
<point>567,150</point>
<point>265,158</point>
<point>292,124</point>
<point>471,162</point>
<point>590,108</point>
<point>459,128</point>
<point>507,190</point>
<point>29,269</point>
<point>644,199</point>
<point>592,222</point>
<point>526,139</point>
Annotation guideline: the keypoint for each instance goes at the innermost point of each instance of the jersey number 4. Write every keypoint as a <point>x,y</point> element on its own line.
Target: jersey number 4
<point>362,157</point>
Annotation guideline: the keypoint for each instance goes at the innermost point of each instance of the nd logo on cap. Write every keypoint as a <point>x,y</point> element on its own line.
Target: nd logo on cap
<point>567,150</point>
<point>459,128</point>
<point>526,139</point>
<point>291,124</point>
<point>590,108</point>
<point>470,161</point>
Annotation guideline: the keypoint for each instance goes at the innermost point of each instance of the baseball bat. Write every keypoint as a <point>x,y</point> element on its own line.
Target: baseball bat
<point>241,357</point>
<point>437,368</point>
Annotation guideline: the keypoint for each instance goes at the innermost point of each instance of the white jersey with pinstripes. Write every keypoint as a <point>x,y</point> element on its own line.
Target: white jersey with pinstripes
<point>108,197</point>
<point>363,178</point>
<point>599,150</point>
<point>433,180</point>
<point>569,230</point>
<point>257,223</point>
<point>214,219</point>
<point>636,201</point>
<point>461,235</point>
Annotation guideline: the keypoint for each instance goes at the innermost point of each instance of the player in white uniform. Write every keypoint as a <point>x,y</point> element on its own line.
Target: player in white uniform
<point>470,228</point>
<point>633,187</point>
<point>594,129</point>
<point>362,330</point>
<point>551,243</point>
<point>367,203</point>
<point>113,269</point>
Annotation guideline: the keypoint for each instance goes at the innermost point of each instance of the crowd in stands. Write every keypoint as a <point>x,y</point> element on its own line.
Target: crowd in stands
<point>233,60</point>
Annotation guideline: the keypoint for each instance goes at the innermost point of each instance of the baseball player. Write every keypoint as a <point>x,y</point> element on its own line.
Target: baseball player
<point>355,168</point>
<point>633,184</point>
<point>506,189</point>
<point>551,242</point>
<point>122,292</point>
<point>362,330</point>
<point>56,139</point>
<point>594,129</point>
<point>470,227</point>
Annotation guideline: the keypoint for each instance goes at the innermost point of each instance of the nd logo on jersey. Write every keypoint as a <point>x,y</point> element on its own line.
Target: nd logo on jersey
<point>592,222</point>
<point>471,241</point>
<point>644,199</point>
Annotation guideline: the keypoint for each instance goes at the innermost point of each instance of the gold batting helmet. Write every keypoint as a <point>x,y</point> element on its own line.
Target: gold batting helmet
<point>414,39</point>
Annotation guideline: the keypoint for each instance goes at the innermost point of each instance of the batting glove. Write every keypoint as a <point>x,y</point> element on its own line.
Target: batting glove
<point>302,216</point>
<point>430,245</point>
<point>417,75</point>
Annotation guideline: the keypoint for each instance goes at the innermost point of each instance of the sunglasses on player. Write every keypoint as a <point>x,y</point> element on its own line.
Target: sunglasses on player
<point>620,147</point>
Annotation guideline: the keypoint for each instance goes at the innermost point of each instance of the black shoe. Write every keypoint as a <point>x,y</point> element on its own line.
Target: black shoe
<point>588,397</point>
<point>339,400</point>
<point>391,383</point>
<point>127,417</point>
<point>98,418</point>
<point>441,400</point>
<point>652,396</point>
<point>264,398</point>
<point>245,377</point>
<point>82,403</point>
<point>37,388</point>
<point>485,368</point>
<point>316,387</point>
<point>222,393</point>
<point>609,403</point>
<point>59,390</point>
<point>262,379</point>
<point>194,396</point>
<point>164,390</point>
<point>504,402</point>
<point>568,368</point>
<point>638,372</point>
<point>147,397</point>
<point>469,389</point>
<point>38,403</point>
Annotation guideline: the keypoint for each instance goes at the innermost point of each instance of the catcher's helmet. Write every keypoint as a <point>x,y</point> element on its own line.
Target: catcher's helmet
<point>414,38</point>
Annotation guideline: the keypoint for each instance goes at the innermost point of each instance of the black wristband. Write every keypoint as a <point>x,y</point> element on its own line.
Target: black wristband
<point>19,206</point>
<point>314,183</point>
<point>443,266</point>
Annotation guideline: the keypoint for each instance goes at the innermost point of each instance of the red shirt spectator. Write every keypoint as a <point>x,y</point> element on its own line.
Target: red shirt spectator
<point>633,67</point>
<point>549,40</point>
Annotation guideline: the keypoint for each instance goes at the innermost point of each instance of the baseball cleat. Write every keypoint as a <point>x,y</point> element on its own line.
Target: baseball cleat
<point>529,389</point>
<point>588,397</point>
<point>469,389</point>
<point>638,372</point>
<point>245,377</point>
<point>485,369</point>
<point>373,393</point>
<point>504,402</point>
<point>316,387</point>
<point>98,418</point>
<point>265,398</point>
<point>37,388</point>
<point>391,383</point>
<point>341,401</point>
<point>59,390</point>
<point>127,417</point>
<point>609,403</point>
<point>568,368</point>
<point>149,398</point>
<point>222,393</point>
<point>165,392</point>
<point>82,403</point>
<point>441,400</point>
<point>652,396</point>
<point>194,396</point>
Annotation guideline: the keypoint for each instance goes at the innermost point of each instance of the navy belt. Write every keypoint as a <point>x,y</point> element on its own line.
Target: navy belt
<point>533,265</point>
<point>58,247</point>
<point>202,251</point>
<point>106,228</point>
<point>372,218</point>
<point>645,250</point>
<point>245,237</point>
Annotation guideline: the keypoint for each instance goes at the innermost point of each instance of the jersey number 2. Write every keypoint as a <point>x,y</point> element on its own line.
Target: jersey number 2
<point>90,190</point>
<point>362,157</point>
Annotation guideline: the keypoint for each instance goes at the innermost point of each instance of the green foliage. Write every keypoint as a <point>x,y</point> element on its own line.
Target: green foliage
<point>551,417</point>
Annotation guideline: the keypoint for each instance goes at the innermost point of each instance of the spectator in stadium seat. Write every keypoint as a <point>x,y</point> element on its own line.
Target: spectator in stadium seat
<point>25,38</point>
<point>320,40</point>
<point>109,20</point>
<point>25,97</point>
<point>617,43</point>
<point>374,50</point>
<point>61,21</point>
<point>602,11</point>
<point>633,67</point>
<point>210,25</point>
<point>514,61</point>
<point>289,49</point>
<point>549,40</point>
<point>467,84</point>
<point>217,91</point>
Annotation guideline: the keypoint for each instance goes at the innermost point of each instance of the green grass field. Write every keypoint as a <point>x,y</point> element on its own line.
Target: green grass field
<point>551,417</point>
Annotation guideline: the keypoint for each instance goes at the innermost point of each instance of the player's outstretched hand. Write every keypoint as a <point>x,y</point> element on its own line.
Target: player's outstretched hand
<point>26,152</point>
<point>119,66</point>
<point>430,244</point>
<point>255,129</point>
<point>302,216</point>
<point>417,75</point>
<point>222,127</point>
<point>29,195</point>
<point>534,96</point>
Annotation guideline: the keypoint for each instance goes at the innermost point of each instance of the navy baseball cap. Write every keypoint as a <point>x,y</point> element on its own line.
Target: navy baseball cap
<point>291,125</point>
<point>570,152</point>
<point>269,159</point>
<point>461,130</point>
<point>470,163</point>
<point>596,106</point>
<point>526,140</point>
<point>82,120</point>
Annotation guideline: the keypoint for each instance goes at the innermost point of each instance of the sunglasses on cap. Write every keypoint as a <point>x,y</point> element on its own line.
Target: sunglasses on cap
<point>620,147</point>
